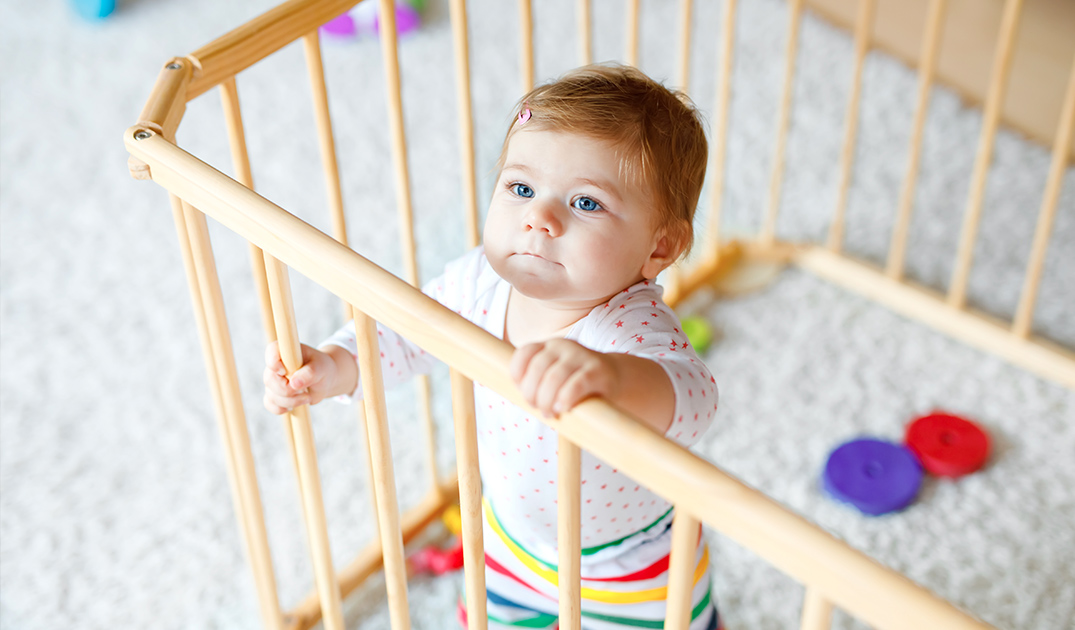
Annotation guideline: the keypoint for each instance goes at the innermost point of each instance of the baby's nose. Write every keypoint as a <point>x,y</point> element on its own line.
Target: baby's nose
<point>544,217</point>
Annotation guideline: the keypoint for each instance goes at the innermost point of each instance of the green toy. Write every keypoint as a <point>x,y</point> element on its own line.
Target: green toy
<point>699,333</point>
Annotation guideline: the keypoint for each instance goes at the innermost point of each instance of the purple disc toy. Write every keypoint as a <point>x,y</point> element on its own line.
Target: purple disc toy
<point>875,476</point>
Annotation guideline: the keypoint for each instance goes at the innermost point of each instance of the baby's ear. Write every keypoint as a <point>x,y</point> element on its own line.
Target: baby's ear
<point>665,252</point>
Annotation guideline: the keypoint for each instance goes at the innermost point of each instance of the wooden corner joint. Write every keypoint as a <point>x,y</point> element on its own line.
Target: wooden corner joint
<point>140,131</point>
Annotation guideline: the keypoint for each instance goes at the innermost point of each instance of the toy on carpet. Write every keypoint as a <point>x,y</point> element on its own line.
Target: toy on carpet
<point>364,18</point>
<point>437,560</point>
<point>95,9</point>
<point>878,477</point>
<point>699,333</point>
<point>947,445</point>
<point>875,476</point>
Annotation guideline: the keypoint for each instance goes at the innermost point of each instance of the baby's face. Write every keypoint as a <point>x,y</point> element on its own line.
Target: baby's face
<point>564,226</point>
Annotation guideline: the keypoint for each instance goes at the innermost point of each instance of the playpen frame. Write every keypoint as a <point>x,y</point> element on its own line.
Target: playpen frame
<point>834,575</point>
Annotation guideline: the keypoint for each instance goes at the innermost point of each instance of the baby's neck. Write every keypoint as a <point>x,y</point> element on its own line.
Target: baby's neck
<point>530,320</point>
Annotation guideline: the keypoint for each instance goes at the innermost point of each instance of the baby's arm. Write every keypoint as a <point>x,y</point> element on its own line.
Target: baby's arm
<point>556,375</point>
<point>324,374</point>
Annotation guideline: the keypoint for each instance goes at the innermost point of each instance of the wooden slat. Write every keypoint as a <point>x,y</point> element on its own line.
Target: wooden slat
<point>233,120</point>
<point>1024,315</point>
<point>817,611</point>
<point>686,21</point>
<point>526,45</point>
<point>313,504</point>
<point>470,498</point>
<point>720,139</point>
<point>685,537</point>
<point>568,540</point>
<point>384,478</point>
<point>466,121</point>
<point>957,291</point>
<point>863,26</point>
<point>207,303</point>
<point>311,44</point>
<point>931,40</point>
<point>632,31</point>
<point>585,13</point>
<point>768,231</point>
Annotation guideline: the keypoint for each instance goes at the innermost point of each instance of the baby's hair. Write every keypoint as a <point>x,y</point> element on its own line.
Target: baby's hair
<point>656,131</point>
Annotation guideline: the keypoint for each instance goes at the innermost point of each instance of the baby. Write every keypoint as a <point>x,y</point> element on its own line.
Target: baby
<point>600,174</point>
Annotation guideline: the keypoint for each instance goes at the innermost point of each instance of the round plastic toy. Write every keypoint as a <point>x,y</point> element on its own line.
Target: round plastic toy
<point>947,445</point>
<point>875,476</point>
<point>699,333</point>
<point>95,9</point>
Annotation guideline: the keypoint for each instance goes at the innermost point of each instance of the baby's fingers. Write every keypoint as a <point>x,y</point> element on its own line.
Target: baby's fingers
<point>273,362</point>
<point>282,404</point>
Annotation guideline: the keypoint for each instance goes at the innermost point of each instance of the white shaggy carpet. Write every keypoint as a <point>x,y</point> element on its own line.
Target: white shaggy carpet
<point>114,503</point>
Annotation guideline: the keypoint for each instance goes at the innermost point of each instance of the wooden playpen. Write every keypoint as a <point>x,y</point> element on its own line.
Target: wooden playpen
<point>833,574</point>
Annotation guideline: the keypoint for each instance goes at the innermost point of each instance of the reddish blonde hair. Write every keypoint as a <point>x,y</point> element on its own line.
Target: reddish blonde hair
<point>657,132</point>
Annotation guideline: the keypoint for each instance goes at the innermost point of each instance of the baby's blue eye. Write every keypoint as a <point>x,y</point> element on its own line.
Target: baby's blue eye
<point>586,204</point>
<point>522,190</point>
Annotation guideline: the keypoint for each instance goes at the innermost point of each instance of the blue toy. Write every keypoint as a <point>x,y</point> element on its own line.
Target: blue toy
<point>875,476</point>
<point>95,9</point>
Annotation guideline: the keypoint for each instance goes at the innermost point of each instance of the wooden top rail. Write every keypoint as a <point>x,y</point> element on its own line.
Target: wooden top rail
<point>871,592</point>
<point>241,48</point>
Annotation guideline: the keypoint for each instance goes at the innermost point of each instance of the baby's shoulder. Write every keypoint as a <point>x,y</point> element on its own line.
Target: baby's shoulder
<point>638,306</point>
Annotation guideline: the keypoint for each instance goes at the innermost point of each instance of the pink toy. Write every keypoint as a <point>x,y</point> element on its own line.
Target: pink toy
<point>364,19</point>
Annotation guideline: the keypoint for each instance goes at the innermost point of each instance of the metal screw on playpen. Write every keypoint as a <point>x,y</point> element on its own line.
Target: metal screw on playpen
<point>142,135</point>
<point>174,66</point>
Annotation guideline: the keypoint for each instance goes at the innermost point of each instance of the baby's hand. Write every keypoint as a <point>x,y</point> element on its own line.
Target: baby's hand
<point>308,385</point>
<point>556,375</point>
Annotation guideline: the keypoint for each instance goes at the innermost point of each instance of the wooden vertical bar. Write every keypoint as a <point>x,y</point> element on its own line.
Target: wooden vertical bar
<point>863,27</point>
<point>686,532</point>
<point>768,232</point>
<point>526,45</point>
<point>398,137</point>
<point>569,523</point>
<point>1065,130</point>
<point>686,18</point>
<point>470,499</point>
<point>207,305</point>
<point>313,505</point>
<point>631,54</point>
<point>926,69</point>
<point>957,292</point>
<point>720,140</point>
<point>817,611</point>
<point>466,124</point>
<point>233,120</point>
<point>389,50</point>
<point>311,43</point>
<point>585,32</point>
<point>673,281</point>
<point>384,481</point>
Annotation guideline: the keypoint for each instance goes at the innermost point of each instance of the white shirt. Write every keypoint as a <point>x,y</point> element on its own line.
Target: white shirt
<point>517,451</point>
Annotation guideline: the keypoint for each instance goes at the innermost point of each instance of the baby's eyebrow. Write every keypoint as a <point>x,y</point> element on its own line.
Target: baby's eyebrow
<point>604,185</point>
<point>516,167</point>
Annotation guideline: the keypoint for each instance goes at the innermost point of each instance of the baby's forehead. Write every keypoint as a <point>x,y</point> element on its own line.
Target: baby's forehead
<point>619,164</point>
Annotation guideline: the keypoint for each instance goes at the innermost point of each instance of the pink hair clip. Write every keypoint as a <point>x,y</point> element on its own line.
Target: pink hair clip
<point>524,115</point>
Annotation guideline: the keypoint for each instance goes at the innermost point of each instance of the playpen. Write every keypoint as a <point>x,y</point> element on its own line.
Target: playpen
<point>833,574</point>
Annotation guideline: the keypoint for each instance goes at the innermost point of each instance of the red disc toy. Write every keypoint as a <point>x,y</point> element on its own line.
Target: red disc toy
<point>947,445</point>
